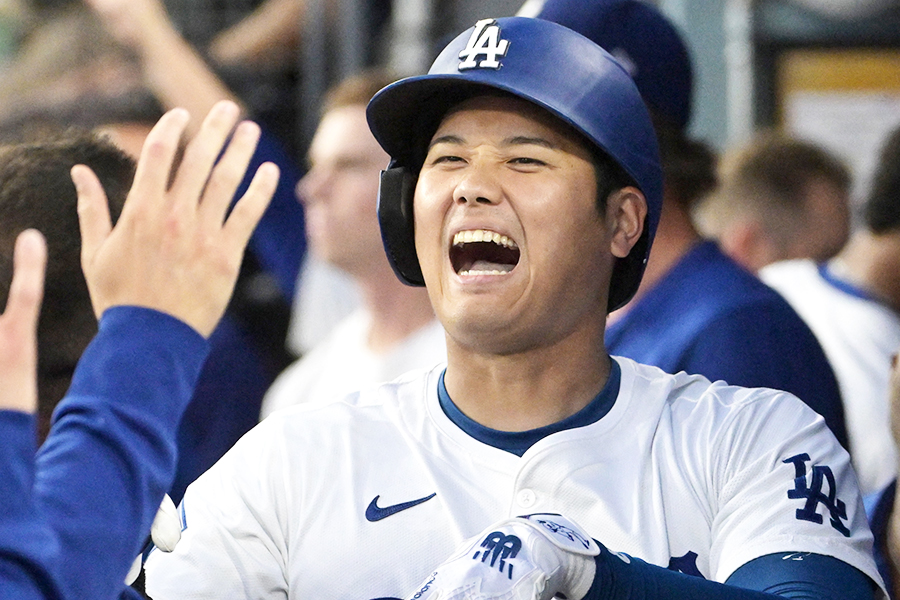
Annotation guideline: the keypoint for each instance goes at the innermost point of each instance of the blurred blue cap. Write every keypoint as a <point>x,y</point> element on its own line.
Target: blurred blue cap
<point>643,40</point>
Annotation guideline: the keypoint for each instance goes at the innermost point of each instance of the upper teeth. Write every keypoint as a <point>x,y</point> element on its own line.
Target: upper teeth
<point>482,235</point>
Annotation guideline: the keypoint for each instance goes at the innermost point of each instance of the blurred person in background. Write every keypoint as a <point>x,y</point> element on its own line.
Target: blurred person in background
<point>852,304</point>
<point>696,309</point>
<point>778,198</point>
<point>394,330</point>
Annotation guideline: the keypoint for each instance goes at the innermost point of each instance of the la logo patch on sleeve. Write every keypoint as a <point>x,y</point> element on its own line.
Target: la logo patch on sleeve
<point>814,495</point>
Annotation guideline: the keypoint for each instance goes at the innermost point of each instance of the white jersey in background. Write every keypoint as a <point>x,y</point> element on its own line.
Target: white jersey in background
<point>343,363</point>
<point>859,337</point>
<point>360,498</point>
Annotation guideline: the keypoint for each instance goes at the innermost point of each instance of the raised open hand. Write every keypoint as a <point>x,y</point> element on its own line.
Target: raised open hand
<point>173,249</point>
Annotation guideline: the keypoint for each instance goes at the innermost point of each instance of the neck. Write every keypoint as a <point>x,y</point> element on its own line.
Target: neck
<point>872,263</point>
<point>396,310</point>
<point>530,389</point>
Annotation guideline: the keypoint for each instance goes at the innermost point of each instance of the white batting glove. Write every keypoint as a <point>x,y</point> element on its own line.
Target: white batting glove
<point>164,532</point>
<point>526,558</point>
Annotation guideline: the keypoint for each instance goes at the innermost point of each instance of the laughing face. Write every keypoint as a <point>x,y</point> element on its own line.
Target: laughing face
<point>513,248</point>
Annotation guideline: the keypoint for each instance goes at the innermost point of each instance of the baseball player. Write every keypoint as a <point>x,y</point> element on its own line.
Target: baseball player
<point>523,191</point>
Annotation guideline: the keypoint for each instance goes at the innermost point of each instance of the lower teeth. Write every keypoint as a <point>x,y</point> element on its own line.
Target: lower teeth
<point>474,272</point>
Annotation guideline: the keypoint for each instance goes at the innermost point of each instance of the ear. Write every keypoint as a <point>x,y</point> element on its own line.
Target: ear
<point>746,243</point>
<point>626,211</point>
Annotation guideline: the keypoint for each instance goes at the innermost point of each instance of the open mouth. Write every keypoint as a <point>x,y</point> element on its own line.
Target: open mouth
<point>483,252</point>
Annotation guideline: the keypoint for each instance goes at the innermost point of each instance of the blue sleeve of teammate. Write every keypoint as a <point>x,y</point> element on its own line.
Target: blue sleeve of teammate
<point>26,543</point>
<point>279,240</point>
<point>110,455</point>
<point>29,551</point>
<point>769,577</point>
<point>758,361</point>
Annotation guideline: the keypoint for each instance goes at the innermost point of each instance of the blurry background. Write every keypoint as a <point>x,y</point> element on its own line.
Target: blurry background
<point>825,69</point>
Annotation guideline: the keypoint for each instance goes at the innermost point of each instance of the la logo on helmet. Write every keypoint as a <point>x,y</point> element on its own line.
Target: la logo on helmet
<point>485,40</point>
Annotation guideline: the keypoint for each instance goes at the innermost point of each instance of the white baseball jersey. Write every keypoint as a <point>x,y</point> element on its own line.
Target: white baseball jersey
<point>859,336</point>
<point>343,363</point>
<point>362,498</point>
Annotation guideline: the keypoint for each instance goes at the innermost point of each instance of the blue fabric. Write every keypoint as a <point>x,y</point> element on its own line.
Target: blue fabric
<point>709,316</point>
<point>279,241</point>
<point>765,578</point>
<point>804,575</point>
<point>661,70</point>
<point>110,456</point>
<point>225,404</point>
<point>26,542</point>
<point>517,442</point>
<point>879,507</point>
<point>240,367</point>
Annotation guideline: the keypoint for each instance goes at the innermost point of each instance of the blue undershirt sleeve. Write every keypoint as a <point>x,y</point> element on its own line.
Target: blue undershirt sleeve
<point>110,455</point>
<point>789,575</point>
<point>27,545</point>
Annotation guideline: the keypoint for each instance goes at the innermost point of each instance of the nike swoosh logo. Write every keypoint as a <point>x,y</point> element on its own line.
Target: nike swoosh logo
<point>377,513</point>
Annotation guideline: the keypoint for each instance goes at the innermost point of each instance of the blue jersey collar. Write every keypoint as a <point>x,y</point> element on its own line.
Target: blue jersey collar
<point>519,441</point>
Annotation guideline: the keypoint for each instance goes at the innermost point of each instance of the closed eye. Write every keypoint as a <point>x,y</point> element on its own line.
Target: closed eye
<point>526,161</point>
<point>446,159</point>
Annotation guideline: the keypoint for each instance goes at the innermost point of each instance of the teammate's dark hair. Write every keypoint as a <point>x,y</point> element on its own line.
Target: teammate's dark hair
<point>36,191</point>
<point>689,166</point>
<point>881,212</point>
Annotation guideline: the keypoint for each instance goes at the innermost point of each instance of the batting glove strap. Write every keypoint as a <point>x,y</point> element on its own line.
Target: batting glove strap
<point>525,558</point>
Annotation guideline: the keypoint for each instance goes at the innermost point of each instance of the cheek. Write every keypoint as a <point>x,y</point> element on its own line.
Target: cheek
<point>428,216</point>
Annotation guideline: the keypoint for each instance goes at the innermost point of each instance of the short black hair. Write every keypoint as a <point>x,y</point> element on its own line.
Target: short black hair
<point>689,166</point>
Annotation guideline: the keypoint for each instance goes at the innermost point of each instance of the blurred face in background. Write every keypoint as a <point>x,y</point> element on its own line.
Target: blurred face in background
<point>340,192</point>
<point>828,220</point>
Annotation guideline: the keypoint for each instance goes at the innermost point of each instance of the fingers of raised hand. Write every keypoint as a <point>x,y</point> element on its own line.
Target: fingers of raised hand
<point>201,154</point>
<point>18,324</point>
<point>93,213</point>
<point>151,178</point>
<point>250,208</point>
<point>228,174</point>
<point>27,287</point>
<point>170,250</point>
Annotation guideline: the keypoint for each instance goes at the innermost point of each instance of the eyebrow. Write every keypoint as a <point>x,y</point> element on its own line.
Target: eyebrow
<point>518,140</point>
<point>445,139</point>
<point>524,139</point>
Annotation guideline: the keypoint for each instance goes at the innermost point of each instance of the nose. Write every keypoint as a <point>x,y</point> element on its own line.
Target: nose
<point>478,186</point>
<point>312,186</point>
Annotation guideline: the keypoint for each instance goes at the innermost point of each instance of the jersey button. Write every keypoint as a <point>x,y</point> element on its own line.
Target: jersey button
<point>526,498</point>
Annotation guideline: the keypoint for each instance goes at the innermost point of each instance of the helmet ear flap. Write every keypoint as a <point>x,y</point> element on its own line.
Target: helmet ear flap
<point>395,217</point>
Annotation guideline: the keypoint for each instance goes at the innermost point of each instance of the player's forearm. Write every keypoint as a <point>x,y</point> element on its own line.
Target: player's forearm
<point>111,452</point>
<point>18,435</point>
<point>26,545</point>
<point>821,577</point>
<point>178,76</point>
<point>271,33</point>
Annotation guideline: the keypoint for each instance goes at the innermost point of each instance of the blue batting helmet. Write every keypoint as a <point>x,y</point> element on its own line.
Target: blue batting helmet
<point>546,64</point>
<point>644,40</point>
